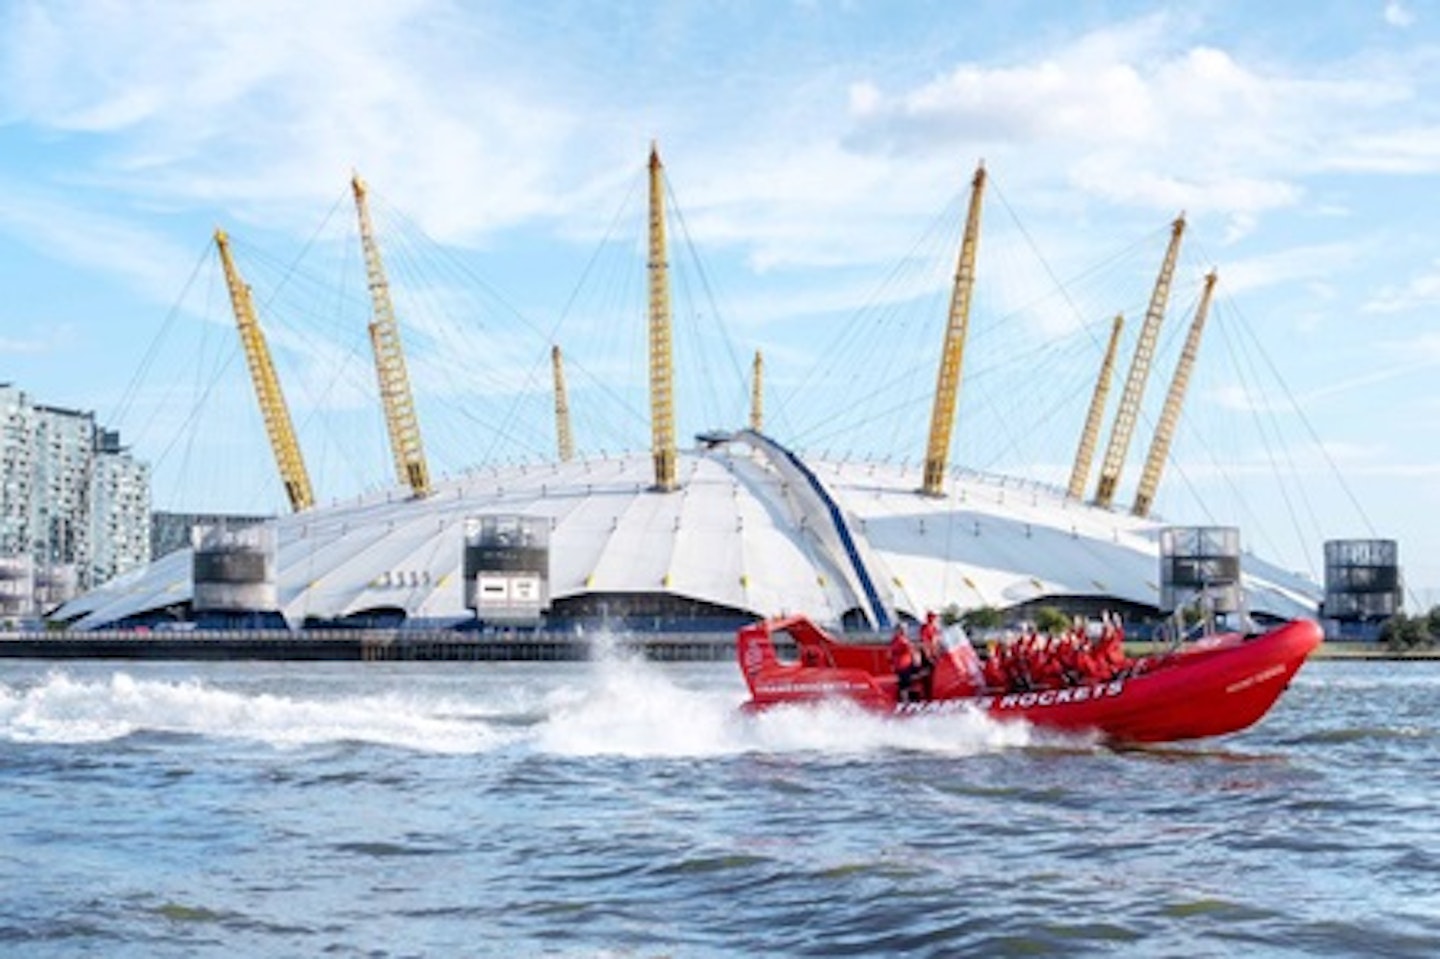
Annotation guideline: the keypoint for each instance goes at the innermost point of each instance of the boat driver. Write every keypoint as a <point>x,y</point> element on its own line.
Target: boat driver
<point>904,661</point>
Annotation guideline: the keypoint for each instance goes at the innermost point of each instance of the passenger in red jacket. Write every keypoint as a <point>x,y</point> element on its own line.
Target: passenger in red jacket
<point>997,677</point>
<point>1046,670</point>
<point>1110,653</point>
<point>930,637</point>
<point>1071,650</point>
<point>904,661</point>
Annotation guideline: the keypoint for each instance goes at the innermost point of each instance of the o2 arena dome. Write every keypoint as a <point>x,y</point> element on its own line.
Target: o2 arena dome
<point>751,531</point>
<point>734,527</point>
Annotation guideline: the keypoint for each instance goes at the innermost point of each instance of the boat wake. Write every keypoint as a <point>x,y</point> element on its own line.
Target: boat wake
<point>61,708</point>
<point>612,707</point>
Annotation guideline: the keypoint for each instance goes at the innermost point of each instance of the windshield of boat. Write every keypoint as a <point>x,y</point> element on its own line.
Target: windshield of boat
<point>954,637</point>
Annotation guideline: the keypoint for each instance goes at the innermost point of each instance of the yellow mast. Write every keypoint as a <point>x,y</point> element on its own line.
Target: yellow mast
<point>1174,400</point>
<point>1124,427</point>
<point>662,366</point>
<point>947,386</point>
<point>757,394</point>
<point>1085,456</point>
<point>267,385</point>
<point>563,439</point>
<point>400,420</point>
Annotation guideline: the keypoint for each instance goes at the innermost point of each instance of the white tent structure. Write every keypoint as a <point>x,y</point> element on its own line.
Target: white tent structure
<point>752,531</point>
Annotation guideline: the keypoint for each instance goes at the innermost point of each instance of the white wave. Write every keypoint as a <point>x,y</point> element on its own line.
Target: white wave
<point>636,710</point>
<point>629,707</point>
<point>614,706</point>
<point>62,709</point>
<point>844,728</point>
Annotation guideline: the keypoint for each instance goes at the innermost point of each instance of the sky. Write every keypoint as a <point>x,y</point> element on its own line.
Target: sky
<point>818,157</point>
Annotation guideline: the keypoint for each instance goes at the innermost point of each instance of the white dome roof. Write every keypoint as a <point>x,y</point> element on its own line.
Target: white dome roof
<point>751,528</point>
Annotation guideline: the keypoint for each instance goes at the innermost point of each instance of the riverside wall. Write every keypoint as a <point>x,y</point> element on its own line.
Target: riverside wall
<point>370,645</point>
<point>396,645</point>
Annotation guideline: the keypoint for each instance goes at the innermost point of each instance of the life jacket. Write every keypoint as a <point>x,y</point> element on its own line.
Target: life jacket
<point>1045,670</point>
<point>930,648</point>
<point>1019,666</point>
<point>1112,649</point>
<point>995,674</point>
<point>1092,668</point>
<point>1070,655</point>
<point>902,656</point>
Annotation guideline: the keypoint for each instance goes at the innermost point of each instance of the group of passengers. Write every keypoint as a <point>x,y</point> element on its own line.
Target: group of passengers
<point>1075,657</point>
<point>1018,663</point>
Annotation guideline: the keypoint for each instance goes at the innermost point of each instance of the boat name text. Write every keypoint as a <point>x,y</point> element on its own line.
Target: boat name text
<point>1259,677</point>
<point>1043,697</point>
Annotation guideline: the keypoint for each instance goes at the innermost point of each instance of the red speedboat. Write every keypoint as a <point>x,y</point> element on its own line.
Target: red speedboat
<point>1217,685</point>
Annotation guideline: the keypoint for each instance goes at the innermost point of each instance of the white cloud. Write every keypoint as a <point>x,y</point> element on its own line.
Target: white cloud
<point>1024,103</point>
<point>1409,150</point>
<point>1368,379</point>
<point>1116,177</point>
<point>1398,15</point>
<point>263,109</point>
<point>865,99</point>
<point>268,103</point>
<point>1423,348</point>
<point>51,340</point>
<point>1419,292</point>
<point>1419,354</point>
<point>65,227</point>
<point>1287,266</point>
<point>1306,461</point>
<point>1244,399</point>
<point>1138,117</point>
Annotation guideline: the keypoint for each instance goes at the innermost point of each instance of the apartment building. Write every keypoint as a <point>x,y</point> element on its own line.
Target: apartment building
<point>74,504</point>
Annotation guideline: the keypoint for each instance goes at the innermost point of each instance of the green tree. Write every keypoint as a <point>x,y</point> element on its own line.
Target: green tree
<point>982,618</point>
<point>1391,632</point>
<point>1049,619</point>
<point>1432,624</point>
<point>1402,632</point>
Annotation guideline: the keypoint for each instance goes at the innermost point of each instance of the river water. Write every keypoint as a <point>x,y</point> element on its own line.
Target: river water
<point>624,809</point>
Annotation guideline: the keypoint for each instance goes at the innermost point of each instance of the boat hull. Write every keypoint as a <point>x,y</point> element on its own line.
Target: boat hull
<point>1218,686</point>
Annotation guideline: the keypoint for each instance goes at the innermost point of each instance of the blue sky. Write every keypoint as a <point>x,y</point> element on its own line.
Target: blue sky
<point>819,154</point>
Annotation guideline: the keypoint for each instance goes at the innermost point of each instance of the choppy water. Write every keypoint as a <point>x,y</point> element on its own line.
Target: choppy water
<point>616,809</point>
